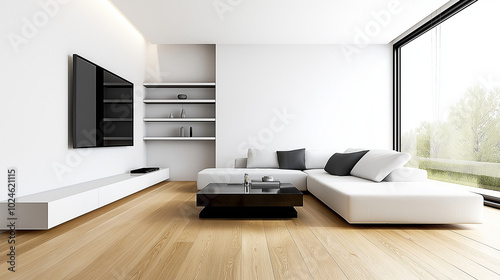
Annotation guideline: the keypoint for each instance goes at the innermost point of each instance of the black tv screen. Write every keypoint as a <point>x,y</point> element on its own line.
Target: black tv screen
<point>102,107</point>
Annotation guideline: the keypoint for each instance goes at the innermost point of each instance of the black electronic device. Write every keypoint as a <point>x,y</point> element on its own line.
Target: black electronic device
<point>102,107</point>
<point>144,170</point>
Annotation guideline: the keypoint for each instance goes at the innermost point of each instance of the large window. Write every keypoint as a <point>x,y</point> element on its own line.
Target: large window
<point>448,96</point>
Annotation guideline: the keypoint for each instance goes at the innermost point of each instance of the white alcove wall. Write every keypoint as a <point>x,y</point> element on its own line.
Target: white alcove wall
<point>283,97</point>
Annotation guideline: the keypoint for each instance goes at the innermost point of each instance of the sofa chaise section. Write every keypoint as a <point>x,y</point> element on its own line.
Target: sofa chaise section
<point>361,201</point>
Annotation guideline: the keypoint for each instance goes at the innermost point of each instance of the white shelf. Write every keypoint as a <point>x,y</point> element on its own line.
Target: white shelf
<point>179,85</point>
<point>179,119</point>
<point>206,121</point>
<point>161,138</point>
<point>48,209</point>
<point>177,101</point>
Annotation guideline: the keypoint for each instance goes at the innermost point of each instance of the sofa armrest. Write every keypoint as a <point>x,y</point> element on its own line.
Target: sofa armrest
<point>240,163</point>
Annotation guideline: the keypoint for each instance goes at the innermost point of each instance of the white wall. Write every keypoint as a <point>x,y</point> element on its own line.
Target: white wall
<point>181,63</point>
<point>39,38</point>
<point>302,96</point>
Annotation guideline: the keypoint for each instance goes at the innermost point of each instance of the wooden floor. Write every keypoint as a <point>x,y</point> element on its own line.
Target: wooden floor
<point>156,234</point>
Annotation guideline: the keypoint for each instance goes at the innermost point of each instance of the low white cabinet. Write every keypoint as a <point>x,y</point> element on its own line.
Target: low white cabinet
<point>48,209</point>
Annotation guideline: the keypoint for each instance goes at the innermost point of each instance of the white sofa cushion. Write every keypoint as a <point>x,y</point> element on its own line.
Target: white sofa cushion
<point>407,174</point>
<point>261,158</point>
<point>235,175</point>
<point>377,164</point>
<point>361,201</point>
<point>317,159</point>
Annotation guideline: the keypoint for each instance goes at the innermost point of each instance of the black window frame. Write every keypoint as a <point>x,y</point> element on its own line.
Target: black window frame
<point>433,22</point>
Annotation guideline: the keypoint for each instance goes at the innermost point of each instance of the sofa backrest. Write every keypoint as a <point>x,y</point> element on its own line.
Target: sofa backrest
<point>317,159</point>
<point>240,163</point>
<point>314,159</point>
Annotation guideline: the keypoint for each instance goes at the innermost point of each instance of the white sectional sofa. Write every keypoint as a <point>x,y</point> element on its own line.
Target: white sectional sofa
<point>405,196</point>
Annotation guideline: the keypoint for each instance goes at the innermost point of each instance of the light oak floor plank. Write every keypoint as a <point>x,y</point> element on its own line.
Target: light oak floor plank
<point>351,250</point>
<point>439,246</point>
<point>256,261</point>
<point>487,232</point>
<point>285,256</point>
<point>416,259</point>
<point>156,234</point>
<point>318,260</point>
<point>478,252</point>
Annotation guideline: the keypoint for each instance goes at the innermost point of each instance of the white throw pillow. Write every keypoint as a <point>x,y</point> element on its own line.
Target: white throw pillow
<point>354,150</point>
<point>259,158</point>
<point>406,174</point>
<point>377,164</point>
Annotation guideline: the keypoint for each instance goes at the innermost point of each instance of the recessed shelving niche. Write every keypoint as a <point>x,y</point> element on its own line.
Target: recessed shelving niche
<point>188,69</point>
<point>161,102</point>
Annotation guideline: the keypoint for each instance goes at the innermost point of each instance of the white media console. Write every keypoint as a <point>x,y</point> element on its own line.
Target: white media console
<point>48,209</point>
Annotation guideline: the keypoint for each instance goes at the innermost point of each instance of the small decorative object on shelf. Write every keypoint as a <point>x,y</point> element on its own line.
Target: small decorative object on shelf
<point>182,96</point>
<point>171,116</point>
<point>190,131</point>
<point>182,131</point>
<point>183,113</point>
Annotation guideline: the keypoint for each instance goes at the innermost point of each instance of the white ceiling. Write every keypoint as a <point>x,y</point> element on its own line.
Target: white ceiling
<point>274,21</point>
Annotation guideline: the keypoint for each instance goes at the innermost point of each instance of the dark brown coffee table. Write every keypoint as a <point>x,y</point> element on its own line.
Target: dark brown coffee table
<point>232,201</point>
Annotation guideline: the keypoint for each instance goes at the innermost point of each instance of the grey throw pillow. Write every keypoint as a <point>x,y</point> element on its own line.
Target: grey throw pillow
<point>294,159</point>
<point>341,164</point>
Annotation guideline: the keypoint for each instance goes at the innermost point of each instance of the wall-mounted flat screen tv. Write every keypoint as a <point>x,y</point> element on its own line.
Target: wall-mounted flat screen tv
<point>103,107</point>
